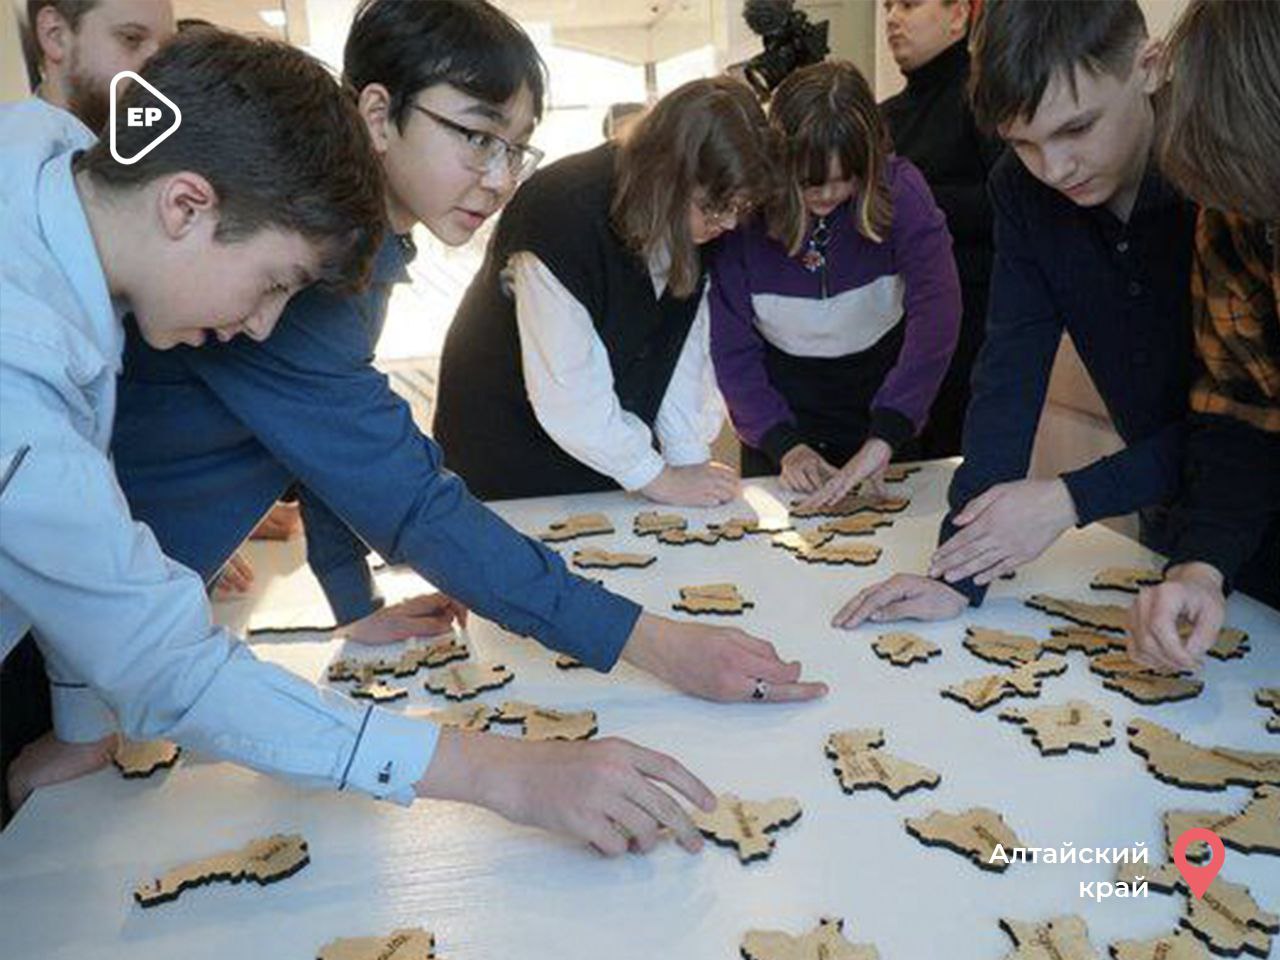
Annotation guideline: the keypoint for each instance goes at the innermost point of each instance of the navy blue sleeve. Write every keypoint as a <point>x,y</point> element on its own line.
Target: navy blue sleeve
<point>312,397</point>
<point>1011,375</point>
<point>1139,476</point>
<point>337,558</point>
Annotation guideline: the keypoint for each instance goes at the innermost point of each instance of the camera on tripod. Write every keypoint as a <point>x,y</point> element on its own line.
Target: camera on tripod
<point>791,41</point>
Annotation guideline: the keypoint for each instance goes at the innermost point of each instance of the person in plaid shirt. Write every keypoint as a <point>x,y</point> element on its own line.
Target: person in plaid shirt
<point>1220,135</point>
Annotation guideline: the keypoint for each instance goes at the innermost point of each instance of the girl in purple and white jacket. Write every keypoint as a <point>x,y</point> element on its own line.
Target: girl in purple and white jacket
<point>834,317</point>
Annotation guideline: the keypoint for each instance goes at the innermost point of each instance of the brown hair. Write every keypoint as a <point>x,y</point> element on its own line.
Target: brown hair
<point>70,11</point>
<point>1218,134</point>
<point>827,110</point>
<point>709,135</point>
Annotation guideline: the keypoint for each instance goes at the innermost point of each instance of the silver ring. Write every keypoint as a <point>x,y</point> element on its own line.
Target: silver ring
<point>761,690</point>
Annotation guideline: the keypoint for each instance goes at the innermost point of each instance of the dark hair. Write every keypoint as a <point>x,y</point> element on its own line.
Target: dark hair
<point>709,135</point>
<point>70,11</point>
<point>1218,133</point>
<point>1018,46</point>
<point>409,45</point>
<point>271,131</point>
<point>827,110</point>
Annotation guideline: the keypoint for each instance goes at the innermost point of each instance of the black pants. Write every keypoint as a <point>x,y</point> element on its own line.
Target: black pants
<point>25,711</point>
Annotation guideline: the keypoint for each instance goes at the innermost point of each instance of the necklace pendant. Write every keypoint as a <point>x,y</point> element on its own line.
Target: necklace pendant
<point>813,261</point>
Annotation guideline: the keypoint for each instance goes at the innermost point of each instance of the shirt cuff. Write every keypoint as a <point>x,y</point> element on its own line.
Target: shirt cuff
<point>686,454</point>
<point>779,439</point>
<point>973,592</point>
<point>643,473</point>
<point>350,590</point>
<point>390,755</point>
<point>1088,494</point>
<point>595,625</point>
<point>79,714</point>
<point>892,427</point>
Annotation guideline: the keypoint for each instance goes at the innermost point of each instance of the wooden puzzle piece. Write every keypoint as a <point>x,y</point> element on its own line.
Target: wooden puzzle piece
<point>1140,683</point>
<point>593,557</point>
<point>1062,938</point>
<point>1270,697</point>
<point>1232,644</point>
<point>651,523</point>
<point>746,825</point>
<point>1074,724</point>
<point>1089,642</point>
<point>264,861</point>
<point>1175,946</point>
<point>903,649</point>
<point>856,525</point>
<point>974,833</point>
<point>1255,829</point>
<point>462,681</point>
<point>851,504</point>
<point>1024,681</point>
<point>999,646</point>
<point>712,598</point>
<point>541,723</point>
<point>816,547</point>
<point>137,760</point>
<point>578,525</point>
<point>378,691</point>
<point>826,941</point>
<point>860,764</point>
<point>566,662</point>
<point>1128,579</point>
<point>682,537</point>
<point>407,943</point>
<point>1226,918</point>
<point>898,472</point>
<point>1100,616</point>
<point>408,663</point>
<point>473,718</point>
<point>1174,760</point>
<point>735,528</point>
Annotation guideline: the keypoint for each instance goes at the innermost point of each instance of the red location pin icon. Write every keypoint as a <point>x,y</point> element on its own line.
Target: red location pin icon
<point>1198,877</point>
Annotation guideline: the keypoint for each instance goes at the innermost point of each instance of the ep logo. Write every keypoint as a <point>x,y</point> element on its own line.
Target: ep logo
<point>147,117</point>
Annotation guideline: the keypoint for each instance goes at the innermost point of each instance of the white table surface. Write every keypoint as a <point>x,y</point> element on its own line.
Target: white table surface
<point>492,890</point>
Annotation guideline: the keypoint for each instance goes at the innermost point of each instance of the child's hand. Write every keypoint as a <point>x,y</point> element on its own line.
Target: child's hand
<point>425,615</point>
<point>804,470</point>
<point>606,793</point>
<point>867,464</point>
<point>699,485</point>
<point>1009,525</point>
<point>1190,597</point>
<point>904,596</point>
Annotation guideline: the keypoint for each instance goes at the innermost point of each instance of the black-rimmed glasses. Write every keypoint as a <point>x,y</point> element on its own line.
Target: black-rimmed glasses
<point>485,150</point>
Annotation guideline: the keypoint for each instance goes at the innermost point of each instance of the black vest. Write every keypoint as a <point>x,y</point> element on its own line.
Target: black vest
<point>484,420</point>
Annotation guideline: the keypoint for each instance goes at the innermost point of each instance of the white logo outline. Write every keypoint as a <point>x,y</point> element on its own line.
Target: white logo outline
<point>177,122</point>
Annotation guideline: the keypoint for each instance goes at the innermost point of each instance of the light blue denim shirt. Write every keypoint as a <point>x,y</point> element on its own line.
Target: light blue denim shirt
<point>106,605</point>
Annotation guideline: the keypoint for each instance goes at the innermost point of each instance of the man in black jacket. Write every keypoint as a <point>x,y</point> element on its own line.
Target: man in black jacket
<point>933,127</point>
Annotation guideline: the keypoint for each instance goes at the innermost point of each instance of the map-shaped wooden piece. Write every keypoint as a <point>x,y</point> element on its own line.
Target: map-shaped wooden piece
<point>999,646</point>
<point>903,649</point>
<point>712,598</point>
<point>410,661</point>
<point>898,472</point>
<point>378,692</point>
<point>578,525</point>
<point>542,723</point>
<point>462,681</point>
<point>817,547</point>
<point>746,825</point>
<point>856,525</point>
<point>1141,683</point>
<point>1255,829</point>
<point>471,718</point>
<point>1088,642</point>
<point>826,941</point>
<point>1128,579</point>
<point>566,662</point>
<point>735,528</point>
<point>851,504</point>
<point>1100,616</point>
<point>139,759</point>
<point>407,943</point>
<point>1174,946</point>
<point>1057,729</point>
<point>1231,643</point>
<point>1062,938</point>
<point>593,557</point>
<point>974,833</point>
<point>683,538</point>
<point>860,764</point>
<point>264,861</point>
<point>1024,681</point>
<point>651,523</point>
<point>1174,760</point>
<point>1270,697</point>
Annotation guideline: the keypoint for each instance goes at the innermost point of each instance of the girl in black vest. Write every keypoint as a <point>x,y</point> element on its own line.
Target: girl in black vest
<point>579,358</point>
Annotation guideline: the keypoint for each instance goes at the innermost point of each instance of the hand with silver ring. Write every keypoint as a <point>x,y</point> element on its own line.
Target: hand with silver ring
<point>761,690</point>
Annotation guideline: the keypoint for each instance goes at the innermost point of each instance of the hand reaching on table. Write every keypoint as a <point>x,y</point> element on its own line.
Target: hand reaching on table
<point>282,522</point>
<point>235,577</point>
<point>698,485</point>
<point>1191,595</point>
<point>48,760</point>
<point>425,615</point>
<point>1009,525</point>
<point>803,469</point>
<point>607,793</point>
<point>868,465</point>
<point>723,664</point>
<point>904,596</point>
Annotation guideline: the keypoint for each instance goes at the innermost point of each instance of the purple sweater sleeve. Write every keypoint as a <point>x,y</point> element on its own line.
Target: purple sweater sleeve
<point>922,257</point>
<point>757,409</point>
